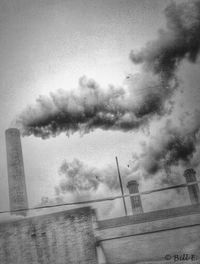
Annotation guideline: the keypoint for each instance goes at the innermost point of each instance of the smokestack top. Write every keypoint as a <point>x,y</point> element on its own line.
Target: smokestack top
<point>189,172</point>
<point>12,131</point>
<point>132,182</point>
<point>190,175</point>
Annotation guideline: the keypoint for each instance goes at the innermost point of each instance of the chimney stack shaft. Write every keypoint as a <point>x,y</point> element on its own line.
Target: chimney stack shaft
<point>190,176</point>
<point>16,178</point>
<point>136,202</point>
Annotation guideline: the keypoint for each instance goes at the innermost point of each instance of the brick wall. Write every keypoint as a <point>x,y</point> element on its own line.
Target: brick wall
<point>58,238</point>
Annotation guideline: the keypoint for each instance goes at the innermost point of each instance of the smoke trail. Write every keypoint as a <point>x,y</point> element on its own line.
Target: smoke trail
<point>118,108</point>
<point>78,177</point>
<point>173,146</point>
<point>90,107</point>
<point>180,41</point>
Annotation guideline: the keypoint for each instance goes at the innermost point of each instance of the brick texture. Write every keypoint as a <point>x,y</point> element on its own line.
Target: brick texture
<point>58,238</point>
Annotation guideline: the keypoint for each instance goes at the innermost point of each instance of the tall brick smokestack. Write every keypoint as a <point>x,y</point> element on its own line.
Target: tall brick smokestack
<point>16,177</point>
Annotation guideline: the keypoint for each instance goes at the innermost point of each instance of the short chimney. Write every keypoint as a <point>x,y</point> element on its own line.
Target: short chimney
<point>16,177</point>
<point>135,200</point>
<point>193,189</point>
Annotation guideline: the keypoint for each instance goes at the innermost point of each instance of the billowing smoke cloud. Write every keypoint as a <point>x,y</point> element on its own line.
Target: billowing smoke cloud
<point>180,41</point>
<point>90,107</point>
<point>119,108</point>
<point>79,177</point>
<point>174,146</point>
<point>81,182</point>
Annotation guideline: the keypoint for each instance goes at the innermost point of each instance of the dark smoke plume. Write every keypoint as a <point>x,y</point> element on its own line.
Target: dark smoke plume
<point>79,177</point>
<point>91,107</point>
<point>173,146</point>
<point>180,41</point>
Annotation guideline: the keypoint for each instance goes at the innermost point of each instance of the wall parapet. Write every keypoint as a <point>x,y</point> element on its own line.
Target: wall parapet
<point>149,216</point>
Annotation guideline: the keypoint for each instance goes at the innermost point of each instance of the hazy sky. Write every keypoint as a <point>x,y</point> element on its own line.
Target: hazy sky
<point>47,45</point>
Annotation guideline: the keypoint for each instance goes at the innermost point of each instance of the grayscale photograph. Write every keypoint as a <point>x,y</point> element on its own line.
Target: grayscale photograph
<point>100,131</point>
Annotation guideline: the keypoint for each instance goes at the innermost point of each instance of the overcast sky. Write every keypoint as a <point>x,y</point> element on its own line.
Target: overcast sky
<point>49,45</point>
